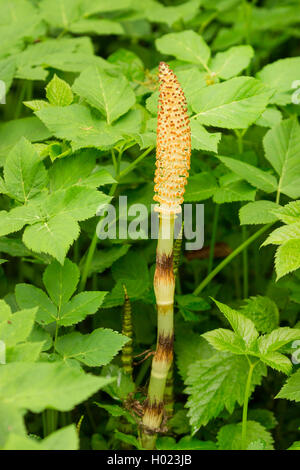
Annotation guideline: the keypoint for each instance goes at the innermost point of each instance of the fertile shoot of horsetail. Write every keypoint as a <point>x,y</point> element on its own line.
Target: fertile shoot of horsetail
<point>172,166</point>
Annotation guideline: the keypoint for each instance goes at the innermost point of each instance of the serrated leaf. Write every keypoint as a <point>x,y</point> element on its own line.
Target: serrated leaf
<point>61,281</point>
<point>263,312</point>
<point>15,220</point>
<point>282,149</point>
<point>230,63</point>
<point>235,191</point>
<point>217,383</point>
<point>59,92</point>
<point>95,349</point>
<point>186,45</point>
<point>287,258</point>
<point>290,213</point>
<point>277,361</point>
<point>291,389</point>
<point>203,140</point>
<point>277,338</point>
<point>241,325</point>
<point>83,304</point>
<point>17,327</point>
<point>53,237</point>
<point>234,104</point>
<point>200,187</point>
<point>112,96</point>
<point>283,234</point>
<point>29,296</point>
<point>258,212</point>
<point>269,118</point>
<point>46,385</point>
<point>255,176</point>
<point>225,340</point>
<point>230,436</point>
<point>24,173</point>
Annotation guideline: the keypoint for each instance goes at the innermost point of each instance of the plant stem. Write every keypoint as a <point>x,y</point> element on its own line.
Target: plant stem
<point>245,265</point>
<point>230,257</point>
<point>213,238</point>
<point>134,163</point>
<point>164,286</point>
<point>245,405</point>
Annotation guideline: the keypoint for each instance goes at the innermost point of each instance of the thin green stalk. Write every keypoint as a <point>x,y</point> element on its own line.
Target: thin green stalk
<point>134,163</point>
<point>213,238</point>
<point>229,258</point>
<point>245,265</point>
<point>245,405</point>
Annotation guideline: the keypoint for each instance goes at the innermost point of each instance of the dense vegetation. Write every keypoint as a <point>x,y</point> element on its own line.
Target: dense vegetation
<point>79,97</point>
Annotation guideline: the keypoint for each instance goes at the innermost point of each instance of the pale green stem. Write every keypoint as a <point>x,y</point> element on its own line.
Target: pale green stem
<point>245,405</point>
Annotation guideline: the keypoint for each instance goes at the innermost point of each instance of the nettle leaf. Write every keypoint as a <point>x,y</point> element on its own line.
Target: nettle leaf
<point>287,258</point>
<point>112,96</point>
<point>59,92</point>
<point>282,149</point>
<point>234,191</point>
<point>63,439</point>
<point>216,383</point>
<point>46,385</point>
<point>24,173</point>
<point>280,75</point>
<point>61,281</point>
<point>262,311</point>
<point>53,237</point>
<point>255,176</point>
<point>83,304</point>
<point>230,436</point>
<point>94,350</point>
<point>241,325</point>
<point>186,45</point>
<point>17,327</point>
<point>200,187</point>
<point>291,389</point>
<point>203,140</point>
<point>258,212</point>
<point>230,63</point>
<point>29,296</point>
<point>234,104</point>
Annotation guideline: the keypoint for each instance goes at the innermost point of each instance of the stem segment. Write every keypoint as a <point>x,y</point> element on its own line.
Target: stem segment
<point>164,286</point>
<point>245,406</point>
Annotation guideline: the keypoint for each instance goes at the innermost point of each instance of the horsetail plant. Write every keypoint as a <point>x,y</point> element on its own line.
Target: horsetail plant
<point>172,164</point>
<point>126,356</point>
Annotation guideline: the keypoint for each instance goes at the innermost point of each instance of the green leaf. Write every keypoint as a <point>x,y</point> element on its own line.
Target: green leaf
<point>230,436</point>
<point>277,361</point>
<point>18,217</point>
<point>24,352</point>
<point>53,237</point>
<point>230,63</point>
<point>60,13</point>
<point>128,439</point>
<point>96,26</point>
<point>290,213</point>
<point>234,191</point>
<point>291,389</point>
<point>104,259</point>
<point>113,96</point>
<point>61,281</point>
<point>263,312</point>
<point>225,340</point>
<point>46,385</point>
<point>287,258</point>
<point>203,140</point>
<point>283,234</point>
<point>59,92</point>
<point>185,443</point>
<point>200,187</point>
<point>94,350</point>
<point>24,173</point>
<point>255,176</point>
<point>241,325</point>
<point>277,338</point>
<point>217,383</point>
<point>258,212</point>
<point>11,422</point>
<point>17,327</point>
<point>234,104</point>
<point>282,149</point>
<point>269,118</point>
<point>83,304</point>
<point>280,75</point>
<point>5,310</point>
<point>63,439</point>
<point>186,45</point>
<point>189,345</point>
<point>29,296</point>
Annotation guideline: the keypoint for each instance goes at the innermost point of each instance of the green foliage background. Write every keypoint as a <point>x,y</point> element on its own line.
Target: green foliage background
<point>78,130</point>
